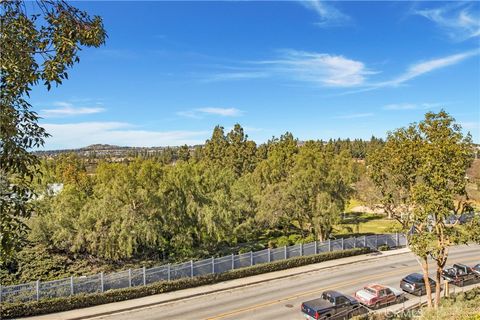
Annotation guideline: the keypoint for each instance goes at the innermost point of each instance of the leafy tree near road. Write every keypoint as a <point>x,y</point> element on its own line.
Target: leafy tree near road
<point>314,192</point>
<point>34,48</point>
<point>420,173</point>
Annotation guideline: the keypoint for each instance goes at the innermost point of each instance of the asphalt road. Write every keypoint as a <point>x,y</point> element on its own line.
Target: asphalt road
<point>280,299</point>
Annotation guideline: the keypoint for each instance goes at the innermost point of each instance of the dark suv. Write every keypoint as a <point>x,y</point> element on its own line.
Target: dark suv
<point>414,284</point>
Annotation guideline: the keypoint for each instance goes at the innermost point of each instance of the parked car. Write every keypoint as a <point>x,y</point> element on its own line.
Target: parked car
<point>331,305</point>
<point>460,219</point>
<point>476,269</point>
<point>414,284</point>
<point>377,295</point>
<point>459,274</point>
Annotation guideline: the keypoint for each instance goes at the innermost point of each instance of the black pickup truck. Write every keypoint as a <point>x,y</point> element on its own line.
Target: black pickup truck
<point>331,305</point>
<point>459,274</point>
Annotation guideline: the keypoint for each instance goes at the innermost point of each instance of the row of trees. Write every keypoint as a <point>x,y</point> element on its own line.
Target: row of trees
<point>232,193</point>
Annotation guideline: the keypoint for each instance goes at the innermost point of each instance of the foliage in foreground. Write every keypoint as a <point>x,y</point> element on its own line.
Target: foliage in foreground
<point>420,172</point>
<point>11,310</point>
<point>37,46</point>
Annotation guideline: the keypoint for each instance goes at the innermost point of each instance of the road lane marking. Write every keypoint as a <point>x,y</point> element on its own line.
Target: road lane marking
<point>298,295</point>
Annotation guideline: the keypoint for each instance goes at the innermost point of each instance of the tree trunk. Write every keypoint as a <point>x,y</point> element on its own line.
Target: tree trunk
<point>438,286</point>
<point>427,282</point>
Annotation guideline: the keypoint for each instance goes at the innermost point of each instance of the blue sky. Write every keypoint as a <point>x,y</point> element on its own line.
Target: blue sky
<point>171,71</point>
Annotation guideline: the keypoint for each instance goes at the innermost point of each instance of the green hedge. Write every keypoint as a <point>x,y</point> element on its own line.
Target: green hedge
<point>11,310</point>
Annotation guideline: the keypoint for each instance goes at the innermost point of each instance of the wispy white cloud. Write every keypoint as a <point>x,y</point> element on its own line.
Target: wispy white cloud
<point>416,70</point>
<point>66,109</point>
<point>320,68</point>
<point>75,135</point>
<point>424,67</point>
<point>189,114</point>
<point>461,21</point>
<point>201,112</point>
<point>355,115</point>
<point>334,71</point>
<point>412,106</point>
<point>225,112</point>
<point>328,14</point>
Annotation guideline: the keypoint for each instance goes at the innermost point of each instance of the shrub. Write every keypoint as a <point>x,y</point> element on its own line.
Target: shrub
<point>308,239</point>
<point>283,241</point>
<point>272,244</point>
<point>11,310</point>
<point>383,248</point>
<point>295,239</point>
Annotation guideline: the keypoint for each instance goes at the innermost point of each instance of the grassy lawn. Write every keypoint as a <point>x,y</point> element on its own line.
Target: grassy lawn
<point>366,223</point>
<point>353,203</point>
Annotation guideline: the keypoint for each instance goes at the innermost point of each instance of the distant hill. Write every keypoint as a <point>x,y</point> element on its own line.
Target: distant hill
<point>108,151</point>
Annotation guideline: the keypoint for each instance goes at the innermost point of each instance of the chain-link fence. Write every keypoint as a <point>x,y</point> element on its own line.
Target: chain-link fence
<point>38,290</point>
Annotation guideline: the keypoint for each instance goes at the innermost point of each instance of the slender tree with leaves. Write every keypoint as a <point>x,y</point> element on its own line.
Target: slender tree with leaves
<point>37,45</point>
<point>421,174</point>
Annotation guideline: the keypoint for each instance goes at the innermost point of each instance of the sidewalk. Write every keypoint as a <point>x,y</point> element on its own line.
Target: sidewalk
<point>115,307</point>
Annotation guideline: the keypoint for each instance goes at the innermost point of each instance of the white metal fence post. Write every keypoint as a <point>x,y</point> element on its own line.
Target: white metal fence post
<point>269,255</point>
<point>102,282</point>
<point>191,268</point>
<point>364,241</point>
<point>397,240</point>
<point>144,276</point>
<point>376,241</point>
<point>329,245</point>
<point>316,246</point>
<point>37,287</point>
<point>354,242</point>
<point>168,272</point>
<point>301,249</point>
<point>343,244</point>
<point>233,261</point>
<point>213,264</point>
<point>129,277</point>
<point>251,258</point>
<point>285,252</point>
<point>71,286</point>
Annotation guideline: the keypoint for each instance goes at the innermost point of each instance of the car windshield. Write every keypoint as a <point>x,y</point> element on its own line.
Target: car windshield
<point>414,278</point>
<point>370,290</point>
<point>451,270</point>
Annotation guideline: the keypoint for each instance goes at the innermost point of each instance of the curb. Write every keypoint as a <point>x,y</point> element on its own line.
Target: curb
<point>147,305</point>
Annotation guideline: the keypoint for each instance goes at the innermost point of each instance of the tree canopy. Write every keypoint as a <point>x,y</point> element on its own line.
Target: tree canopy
<point>35,48</point>
<point>421,175</point>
